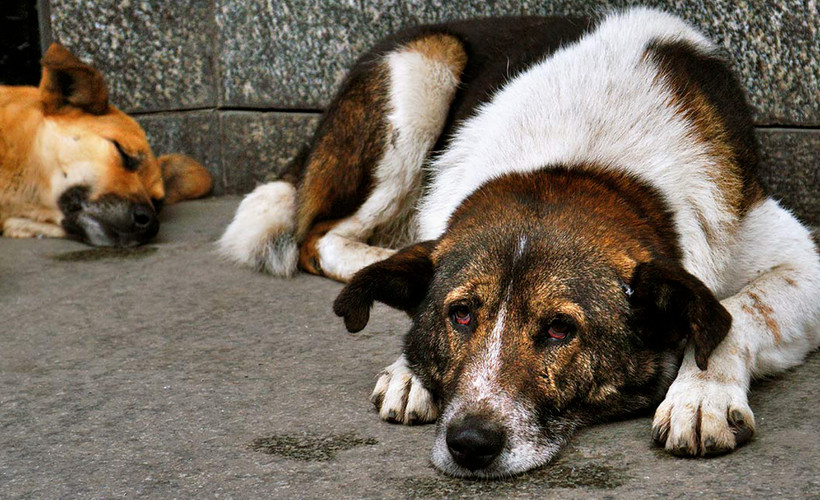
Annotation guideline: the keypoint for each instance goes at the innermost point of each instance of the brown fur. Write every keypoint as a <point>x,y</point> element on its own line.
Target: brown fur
<point>62,69</point>
<point>347,145</point>
<point>308,253</point>
<point>638,230</point>
<point>697,82</point>
<point>65,133</point>
<point>441,47</point>
<point>587,235</point>
<point>764,312</point>
<point>184,178</point>
<point>629,238</point>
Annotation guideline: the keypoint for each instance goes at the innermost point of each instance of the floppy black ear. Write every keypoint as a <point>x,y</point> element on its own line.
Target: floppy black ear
<point>669,305</point>
<point>400,281</point>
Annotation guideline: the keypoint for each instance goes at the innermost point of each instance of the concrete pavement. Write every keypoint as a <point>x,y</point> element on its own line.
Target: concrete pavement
<point>163,372</point>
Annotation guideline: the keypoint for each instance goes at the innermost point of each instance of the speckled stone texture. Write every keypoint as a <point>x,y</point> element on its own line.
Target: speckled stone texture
<point>194,133</point>
<point>792,170</point>
<point>291,53</point>
<point>161,55</point>
<point>287,53</point>
<point>239,149</point>
<point>258,146</point>
<point>155,54</point>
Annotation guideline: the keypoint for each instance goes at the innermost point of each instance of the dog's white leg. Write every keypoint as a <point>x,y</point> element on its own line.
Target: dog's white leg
<point>16,227</point>
<point>775,323</point>
<point>400,396</point>
<point>261,233</point>
<point>341,258</point>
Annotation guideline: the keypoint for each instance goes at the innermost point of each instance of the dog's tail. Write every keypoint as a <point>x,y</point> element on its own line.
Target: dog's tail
<point>261,234</point>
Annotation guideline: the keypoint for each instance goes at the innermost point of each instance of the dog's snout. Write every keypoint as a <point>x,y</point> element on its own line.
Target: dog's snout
<point>142,216</point>
<point>475,441</point>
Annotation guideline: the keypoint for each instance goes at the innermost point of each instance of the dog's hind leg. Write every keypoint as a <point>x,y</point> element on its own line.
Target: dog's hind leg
<point>363,168</point>
<point>775,323</point>
<point>421,78</point>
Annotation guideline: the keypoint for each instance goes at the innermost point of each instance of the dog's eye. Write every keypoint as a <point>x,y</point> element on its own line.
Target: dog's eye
<point>462,315</point>
<point>559,329</point>
<point>462,318</point>
<point>129,162</point>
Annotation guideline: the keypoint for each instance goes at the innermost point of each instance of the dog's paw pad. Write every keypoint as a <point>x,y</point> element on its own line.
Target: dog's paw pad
<point>700,418</point>
<point>400,397</point>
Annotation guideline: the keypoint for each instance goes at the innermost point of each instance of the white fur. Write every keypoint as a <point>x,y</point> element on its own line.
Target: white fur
<point>15,227</point>
<point>94,230</point>
<point>522,245</point>
<point>402,397</point>
<point>482,376</point>
<point>525,448</point>
<point>598,101</point>
<point>774,279</point>
<point>340,257</point>
<point>420,91</point>
<point>261,233</point>
<point>479,390</point>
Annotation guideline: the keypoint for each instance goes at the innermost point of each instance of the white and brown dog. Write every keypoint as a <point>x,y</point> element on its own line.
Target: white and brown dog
<point>588,237</point>
<point>73,165</point>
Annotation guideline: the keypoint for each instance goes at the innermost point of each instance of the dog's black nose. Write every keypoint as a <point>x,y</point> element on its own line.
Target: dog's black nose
<point>474,441</point>
<point>142,216</point>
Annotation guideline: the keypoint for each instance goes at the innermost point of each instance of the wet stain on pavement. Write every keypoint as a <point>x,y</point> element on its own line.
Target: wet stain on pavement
<point>661,454</point>
<point>588,475</point>
<point>309,447</point>
<point>105,253</point>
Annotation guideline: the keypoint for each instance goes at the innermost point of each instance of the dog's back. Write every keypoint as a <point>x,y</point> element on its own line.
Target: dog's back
<point>643,94</point>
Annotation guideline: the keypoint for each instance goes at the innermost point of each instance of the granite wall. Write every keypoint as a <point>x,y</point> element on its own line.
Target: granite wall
<point>240,84</point>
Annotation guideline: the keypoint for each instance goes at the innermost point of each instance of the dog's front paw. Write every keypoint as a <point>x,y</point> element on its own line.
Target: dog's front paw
<point>703,417</point>
<point>14,227</point>
<point>400,397</point>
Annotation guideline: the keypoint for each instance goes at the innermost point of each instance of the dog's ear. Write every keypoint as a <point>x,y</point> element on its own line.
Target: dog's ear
<point>400,281</point>
<point>670,305</point>
<point>184,178</point>
<point>67,81</point>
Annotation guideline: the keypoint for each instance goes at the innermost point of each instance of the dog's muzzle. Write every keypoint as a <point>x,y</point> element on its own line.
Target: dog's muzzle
<point>108,221</point>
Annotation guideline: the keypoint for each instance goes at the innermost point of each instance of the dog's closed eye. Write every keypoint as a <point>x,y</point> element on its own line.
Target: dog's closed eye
<point>129,162</point>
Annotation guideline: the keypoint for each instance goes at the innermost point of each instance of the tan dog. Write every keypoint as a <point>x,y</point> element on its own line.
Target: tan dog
<point>71,164</point>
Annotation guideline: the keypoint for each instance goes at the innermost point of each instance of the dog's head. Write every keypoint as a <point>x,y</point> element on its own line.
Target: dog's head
<point>104,178</point>
<point>536,313</point>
